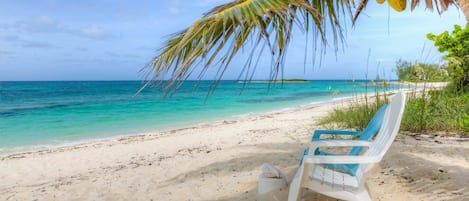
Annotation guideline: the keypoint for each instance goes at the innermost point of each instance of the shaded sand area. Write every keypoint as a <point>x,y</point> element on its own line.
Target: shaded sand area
<point>221,162</point>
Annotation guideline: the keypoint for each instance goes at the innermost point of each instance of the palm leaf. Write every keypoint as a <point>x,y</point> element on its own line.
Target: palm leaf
<point>216,38</point>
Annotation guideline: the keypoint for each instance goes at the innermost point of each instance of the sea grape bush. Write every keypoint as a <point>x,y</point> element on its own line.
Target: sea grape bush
<point>456,45</point>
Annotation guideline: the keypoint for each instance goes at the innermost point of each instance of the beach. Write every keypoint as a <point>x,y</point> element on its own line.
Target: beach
<point>221,161</point>
<point>199,100</point>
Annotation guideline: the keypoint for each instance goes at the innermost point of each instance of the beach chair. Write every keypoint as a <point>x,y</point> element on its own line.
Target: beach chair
<point>367,134</point>
<point>313,174</point>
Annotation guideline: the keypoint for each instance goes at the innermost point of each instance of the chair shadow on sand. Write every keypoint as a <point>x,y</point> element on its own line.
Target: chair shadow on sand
<point>435,183</point>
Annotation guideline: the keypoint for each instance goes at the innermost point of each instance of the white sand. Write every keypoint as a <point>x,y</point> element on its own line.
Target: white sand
<point>221,162</point>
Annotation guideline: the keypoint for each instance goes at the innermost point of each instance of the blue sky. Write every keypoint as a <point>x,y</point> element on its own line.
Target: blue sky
<point>114,39</point>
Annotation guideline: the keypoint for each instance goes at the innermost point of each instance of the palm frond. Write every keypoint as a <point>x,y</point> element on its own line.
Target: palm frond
<point>216,38</point>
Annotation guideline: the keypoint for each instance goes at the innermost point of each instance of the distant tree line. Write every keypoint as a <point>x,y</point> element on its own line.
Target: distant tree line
<point>419,72</point>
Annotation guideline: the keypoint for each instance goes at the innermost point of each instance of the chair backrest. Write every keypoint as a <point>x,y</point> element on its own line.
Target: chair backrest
<point>371,129</point>
<point>387,133</point>
<point>374,125</point>
<point>390,126</point>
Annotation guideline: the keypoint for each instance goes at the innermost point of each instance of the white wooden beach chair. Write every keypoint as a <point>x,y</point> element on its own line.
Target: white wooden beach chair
<point>313,174</point>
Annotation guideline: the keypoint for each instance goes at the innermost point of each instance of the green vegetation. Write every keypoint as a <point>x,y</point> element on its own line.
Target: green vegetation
<point>436,110</point>
<point>356,116</point>
<point>444,110</point>
<point>359,112</point>
<point>456,45</point>
<point>294,80</point>
<point>420,72</point>
<point>428,111</point>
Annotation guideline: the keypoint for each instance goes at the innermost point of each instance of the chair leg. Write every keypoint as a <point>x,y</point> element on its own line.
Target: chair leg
<point>362,196</point>
<point>295,190</point>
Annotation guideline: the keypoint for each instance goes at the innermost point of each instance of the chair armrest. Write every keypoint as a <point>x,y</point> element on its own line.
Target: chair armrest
<point>340,143</point>
<point>340,159</point>
<point>337,143</point>
<point>317,133</point>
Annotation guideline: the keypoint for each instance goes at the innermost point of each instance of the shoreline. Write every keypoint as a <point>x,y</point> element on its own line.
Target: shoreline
<point>83,142</point>
<point>219,121</point>
<point>155,133</point>
<point>142,130</point>
<point>422,84</point>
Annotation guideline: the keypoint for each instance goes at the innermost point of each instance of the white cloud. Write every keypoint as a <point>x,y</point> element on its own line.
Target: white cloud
<point>122,55</point>
<point>175,7</point>
<point>35,44</point>
<point>81,49</point>
<point>3,52</point>
<point>94,31</point>
<point>41,24</point>
<point>131,15</point>
<point>175,10</point>
<point>49,25</point>
<point>26,43</point>
<point>213,2</point>
<point>10,38</point>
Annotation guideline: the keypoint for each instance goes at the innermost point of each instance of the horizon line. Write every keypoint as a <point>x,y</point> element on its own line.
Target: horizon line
<point>190,80</point>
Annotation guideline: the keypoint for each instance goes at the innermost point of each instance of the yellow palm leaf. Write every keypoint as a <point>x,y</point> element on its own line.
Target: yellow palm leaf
<point>397,5</point>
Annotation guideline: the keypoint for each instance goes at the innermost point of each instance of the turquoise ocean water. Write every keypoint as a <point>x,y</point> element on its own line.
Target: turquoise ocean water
<point>38,114</point>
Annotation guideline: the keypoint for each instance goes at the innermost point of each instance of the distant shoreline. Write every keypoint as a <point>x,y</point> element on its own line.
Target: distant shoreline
<point>228,80</point>
<point>275,81</point>
<point>422,84</point>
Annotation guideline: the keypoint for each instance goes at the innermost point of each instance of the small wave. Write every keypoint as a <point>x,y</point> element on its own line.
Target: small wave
<point>13,111</point>
<point>24,109</point>
<point>311,94</point>
<point>266,100</point>
<point>341,98</point>
<point>294,96</point>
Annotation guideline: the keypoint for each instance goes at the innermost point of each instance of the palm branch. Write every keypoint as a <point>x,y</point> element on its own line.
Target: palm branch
<point>221,33</point>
